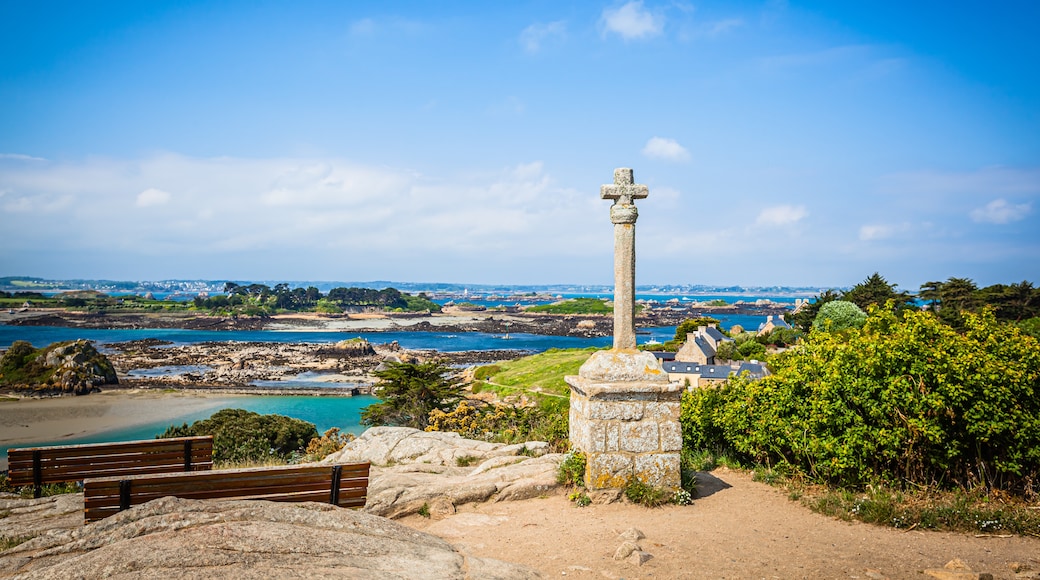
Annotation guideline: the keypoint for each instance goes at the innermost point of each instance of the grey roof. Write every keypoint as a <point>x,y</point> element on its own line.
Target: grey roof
<point>663,355</point>
<point>705,346</point>
<point>709,371</point>
<point>777,323</point>
<point>757,370</point>
<point>716,334</point>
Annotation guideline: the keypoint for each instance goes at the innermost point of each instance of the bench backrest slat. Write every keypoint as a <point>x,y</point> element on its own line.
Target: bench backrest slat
<point>104,496</point>
<point>62,463</point>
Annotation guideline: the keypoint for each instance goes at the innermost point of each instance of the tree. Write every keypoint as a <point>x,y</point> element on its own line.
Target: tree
<point>932,292</point>
<point>875,290</point>
<point>409,391</point>
<point>839,315</point>
<point>803,319</point>
<point>752,350</point>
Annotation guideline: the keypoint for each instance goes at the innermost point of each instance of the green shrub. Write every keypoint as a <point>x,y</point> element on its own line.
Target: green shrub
<point>580,498</point>
<point>839,315</point>
<point>243,436</point>
<point>330,442</point>
<point>572,470</point>
<point>637,491</point>
<point>904,399</point>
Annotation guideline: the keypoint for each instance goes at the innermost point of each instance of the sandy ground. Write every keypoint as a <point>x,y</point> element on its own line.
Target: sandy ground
<point>25,421</point>
<point>740,529</point>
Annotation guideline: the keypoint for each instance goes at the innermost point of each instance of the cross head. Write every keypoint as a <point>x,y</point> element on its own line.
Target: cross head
<point>624,190</point>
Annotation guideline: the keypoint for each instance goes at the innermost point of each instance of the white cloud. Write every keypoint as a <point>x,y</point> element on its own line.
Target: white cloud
<point>632,21</point>
<point>873,232</point>
<point>842,55</point>
<point>536,35</point>
<point>152,196</point>
<point>781,215</point>
<point>20,157</point>
<point>723,26</point>
<point>316,210</point>
<point>363,27</point>
<point>509,106</point>
<point>1004,181</point>
<point>667,149</point>
<point>999,211</point>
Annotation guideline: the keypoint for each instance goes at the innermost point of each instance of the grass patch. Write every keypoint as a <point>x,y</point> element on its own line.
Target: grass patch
<point>465,460</point>
<point>972,512</point>
<point>956,511</point>
<point>708,460</point>
<point>574,306</point>
<point>271,461</point>
<point>8,542</point>
<point>8,399</point>
<point>51,489</point>
<point>538,374</point>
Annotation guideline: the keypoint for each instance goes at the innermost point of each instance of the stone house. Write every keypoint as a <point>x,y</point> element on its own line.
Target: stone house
<point>701,346</point>
<point>695,364</point>
<point>772,323</point>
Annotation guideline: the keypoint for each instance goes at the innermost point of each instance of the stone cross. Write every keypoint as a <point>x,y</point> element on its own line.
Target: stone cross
<point>623,215</point>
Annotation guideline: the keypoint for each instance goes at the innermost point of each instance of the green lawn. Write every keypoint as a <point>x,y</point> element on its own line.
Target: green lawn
<point>540,373</point>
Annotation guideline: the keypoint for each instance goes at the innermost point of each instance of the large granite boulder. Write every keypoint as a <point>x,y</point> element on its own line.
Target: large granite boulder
<point>177,538</point>
<point>415,470</point>
<point>74,367</point>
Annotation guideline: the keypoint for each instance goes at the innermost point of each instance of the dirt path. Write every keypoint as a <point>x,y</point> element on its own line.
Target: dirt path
<point>741,529</point>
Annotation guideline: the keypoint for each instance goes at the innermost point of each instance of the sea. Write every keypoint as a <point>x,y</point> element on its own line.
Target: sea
<point>332,411</point>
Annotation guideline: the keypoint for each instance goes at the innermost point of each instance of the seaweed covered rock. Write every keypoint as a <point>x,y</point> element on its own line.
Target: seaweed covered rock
<point>74,367</point>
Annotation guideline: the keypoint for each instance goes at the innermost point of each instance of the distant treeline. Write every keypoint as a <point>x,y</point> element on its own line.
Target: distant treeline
<point>282,297</point>
<point>23,295</point>
<point>949,300</point>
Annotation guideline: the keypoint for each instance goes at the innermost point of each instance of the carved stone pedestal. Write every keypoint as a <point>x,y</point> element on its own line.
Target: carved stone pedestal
<point>624,415</point>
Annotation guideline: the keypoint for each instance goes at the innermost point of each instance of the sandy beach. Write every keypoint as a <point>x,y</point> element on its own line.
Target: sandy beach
<point>26,421</point>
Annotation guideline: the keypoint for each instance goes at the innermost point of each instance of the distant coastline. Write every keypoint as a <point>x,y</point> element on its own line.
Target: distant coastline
<point>194,287</point>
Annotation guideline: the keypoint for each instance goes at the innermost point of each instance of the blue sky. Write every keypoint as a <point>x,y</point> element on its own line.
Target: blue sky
<point>794,143</point>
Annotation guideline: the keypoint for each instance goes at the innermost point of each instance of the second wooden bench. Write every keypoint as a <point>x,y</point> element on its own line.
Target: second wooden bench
<point>38,466</point>
<point>344,485</point>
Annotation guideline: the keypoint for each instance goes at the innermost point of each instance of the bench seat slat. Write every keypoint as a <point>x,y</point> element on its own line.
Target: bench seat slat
<point>55,469</point>
<point>353,499</point>
<point>290,483</point>
<point>118,447</point>
<point>119,471</point>
<point>221,490</point>
<point>351,470</point>
<point>314,492</point>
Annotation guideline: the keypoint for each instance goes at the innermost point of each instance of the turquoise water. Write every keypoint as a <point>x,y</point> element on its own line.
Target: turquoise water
<point>324,412</point>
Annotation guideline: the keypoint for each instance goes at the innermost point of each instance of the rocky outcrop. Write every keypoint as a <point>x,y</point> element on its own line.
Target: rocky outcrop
<point>62,368</point>
<point>413,469</point>
<point>177,538</point>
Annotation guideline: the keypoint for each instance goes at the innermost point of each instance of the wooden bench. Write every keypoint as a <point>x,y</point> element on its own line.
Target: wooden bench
<point>342,485</point>
<point>38,466</point>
